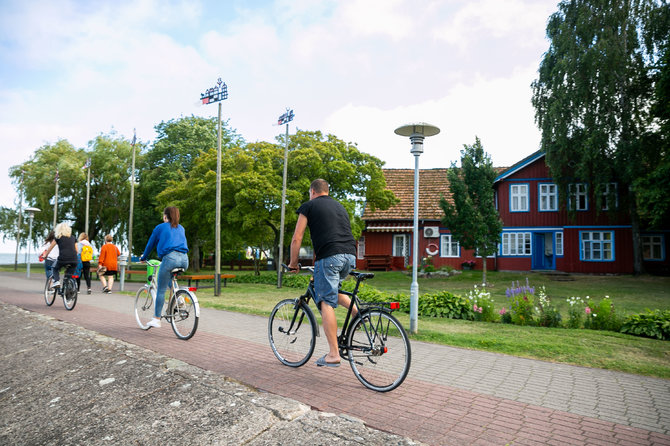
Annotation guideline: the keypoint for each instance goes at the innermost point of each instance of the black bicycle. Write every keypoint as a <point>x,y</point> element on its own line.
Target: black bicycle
<point>67,290</point>
<point>373,342</point>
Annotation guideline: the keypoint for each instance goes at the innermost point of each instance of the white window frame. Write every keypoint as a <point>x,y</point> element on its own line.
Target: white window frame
<point>361,247</point>
<point>578,196</point>
<point>559,243</point>
<point>547,197</point>
<point>402,250</point>
<point>449,247</point>
<point>606,196</point>
<point>596,246</point>
<point>516,244</point>
<point>653,247</point>
<point>519,197</point>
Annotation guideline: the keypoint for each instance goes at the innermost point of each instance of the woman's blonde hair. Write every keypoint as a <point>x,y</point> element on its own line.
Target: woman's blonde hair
<point>83,236</point>
<point>63,230</point>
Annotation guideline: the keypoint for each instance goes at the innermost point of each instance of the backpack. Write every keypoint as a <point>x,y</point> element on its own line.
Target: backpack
<point>86,253</point>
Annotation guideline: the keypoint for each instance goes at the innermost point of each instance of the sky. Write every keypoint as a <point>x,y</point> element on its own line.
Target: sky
<point>357,69</point>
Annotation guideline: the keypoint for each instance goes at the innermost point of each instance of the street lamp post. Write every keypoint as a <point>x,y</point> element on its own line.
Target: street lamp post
<point>416,132</point>
<point>283,119</point>
<point>31,214</point>
<point>211,95</point>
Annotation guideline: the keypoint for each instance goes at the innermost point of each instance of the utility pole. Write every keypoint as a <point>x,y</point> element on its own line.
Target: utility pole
<point>283,119</point>
<point>56,201</point>
<point>19,224</point>
<point>132,201</point>
<point>87,166</point>
<point>211,95</point>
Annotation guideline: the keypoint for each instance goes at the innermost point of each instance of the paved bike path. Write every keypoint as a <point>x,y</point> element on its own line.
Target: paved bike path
<point>451,396</point>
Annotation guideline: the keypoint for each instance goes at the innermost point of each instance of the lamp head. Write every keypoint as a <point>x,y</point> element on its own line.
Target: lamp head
<point>417,132</point>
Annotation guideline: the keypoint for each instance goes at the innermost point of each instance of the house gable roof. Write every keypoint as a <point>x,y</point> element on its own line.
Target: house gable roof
<point>433,185</point>
<point>520,165</point>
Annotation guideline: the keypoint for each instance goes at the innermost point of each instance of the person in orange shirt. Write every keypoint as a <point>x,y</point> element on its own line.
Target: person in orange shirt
<point>108,259</point>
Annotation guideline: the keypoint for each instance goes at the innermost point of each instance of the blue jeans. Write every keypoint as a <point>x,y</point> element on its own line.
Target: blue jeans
<point>329,273</point>
<point>170,261</point>
<point>48,265</point>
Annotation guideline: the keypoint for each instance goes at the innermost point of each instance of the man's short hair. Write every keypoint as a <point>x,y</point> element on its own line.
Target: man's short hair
<point>319,186</point>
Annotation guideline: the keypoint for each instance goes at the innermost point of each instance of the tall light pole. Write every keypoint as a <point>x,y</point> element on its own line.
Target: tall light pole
<point>19,224</point>
<point>211,95</point>
<point>87,166</point>
<point>56,200</point>
<point>283,119</point>
<point>31,214</point>
<point>416,132</point>
<point>132,201</point>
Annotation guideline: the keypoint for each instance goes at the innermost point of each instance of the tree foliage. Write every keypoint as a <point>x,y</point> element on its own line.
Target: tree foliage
<point>109,188</point>
<point>594,93</point>
<point>251,188</point>
<point>472,217</point>
<point>170,160</point>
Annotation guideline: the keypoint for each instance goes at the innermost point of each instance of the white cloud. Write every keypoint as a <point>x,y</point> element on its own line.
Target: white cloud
<point>486,20</point>
<point>498,111</point>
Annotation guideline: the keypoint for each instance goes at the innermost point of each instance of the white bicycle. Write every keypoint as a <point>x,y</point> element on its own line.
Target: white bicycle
<point>181,310</point>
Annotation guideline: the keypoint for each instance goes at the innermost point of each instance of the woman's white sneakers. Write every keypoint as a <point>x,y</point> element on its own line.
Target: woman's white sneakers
<point>154,323</point>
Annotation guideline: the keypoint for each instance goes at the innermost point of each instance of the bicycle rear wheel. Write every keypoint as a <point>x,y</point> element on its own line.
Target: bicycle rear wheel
<point>144,307</point>
<point>292,332</point>
<point>69,293</point>
<point>379,350</point>
<point>184,314</point>
<point>49,293</point>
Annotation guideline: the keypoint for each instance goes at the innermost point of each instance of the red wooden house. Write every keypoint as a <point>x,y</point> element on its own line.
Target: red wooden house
<point>538,232</point>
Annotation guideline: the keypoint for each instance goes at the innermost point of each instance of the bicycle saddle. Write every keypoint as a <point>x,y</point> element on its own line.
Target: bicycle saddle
<point>362,275</point>
<point>177,270</point>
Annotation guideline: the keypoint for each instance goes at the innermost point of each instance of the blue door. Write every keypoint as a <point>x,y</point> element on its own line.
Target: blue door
<point>543,251</point>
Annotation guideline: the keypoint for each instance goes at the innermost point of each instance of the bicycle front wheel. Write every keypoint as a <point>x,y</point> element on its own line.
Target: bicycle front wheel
<point>379,350</point>
<point>144,307</point>
<point>184,313</point>
<point>292,332</point>
<point>49,293</point>
<point>69,294</point>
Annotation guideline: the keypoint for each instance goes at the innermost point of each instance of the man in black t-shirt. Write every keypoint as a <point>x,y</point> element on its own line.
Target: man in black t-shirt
<point>335,256</point>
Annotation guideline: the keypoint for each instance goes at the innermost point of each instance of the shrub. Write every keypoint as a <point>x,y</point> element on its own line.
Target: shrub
<point>444,304</point>
<point>482,305</point>
<point>521,303</point>
<point>601,316</point>
<point>505,316</point>
<point>575,312</point>
<point>652,324</point>
<point>548,315</point>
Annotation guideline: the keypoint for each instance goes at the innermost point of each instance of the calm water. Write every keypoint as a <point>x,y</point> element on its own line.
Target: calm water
<point>7,258</point>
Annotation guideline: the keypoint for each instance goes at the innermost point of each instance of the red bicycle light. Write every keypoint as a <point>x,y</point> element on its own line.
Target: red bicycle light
<point>192,288</point>
<point>386,350</point>
<point>395,305</point>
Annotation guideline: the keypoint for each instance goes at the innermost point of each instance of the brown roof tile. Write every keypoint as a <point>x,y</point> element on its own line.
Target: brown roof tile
<point>433,184</point>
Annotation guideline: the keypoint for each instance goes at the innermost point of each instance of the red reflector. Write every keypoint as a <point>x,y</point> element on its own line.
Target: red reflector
<point>192,288</point>
<point>394,305</point>
<point>386,350</point>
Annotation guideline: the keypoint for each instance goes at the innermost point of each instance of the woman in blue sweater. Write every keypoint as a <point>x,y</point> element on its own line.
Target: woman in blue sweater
<point>169,239</point>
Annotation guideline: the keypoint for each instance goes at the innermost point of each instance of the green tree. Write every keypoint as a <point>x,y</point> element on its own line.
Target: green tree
<point>110,167</point>
<point>179,144</point>
<point>37,179</point>
<point>471,215</point>
<point>251,187</point>
<point>593,96</point>
<point>652,187</point>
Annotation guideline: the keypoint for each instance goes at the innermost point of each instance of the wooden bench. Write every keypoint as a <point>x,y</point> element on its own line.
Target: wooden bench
<point>198,277</point>
<point>381,262</point>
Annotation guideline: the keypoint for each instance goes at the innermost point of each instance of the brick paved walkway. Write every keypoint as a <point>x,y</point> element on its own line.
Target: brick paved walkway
<point>451,397</point>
